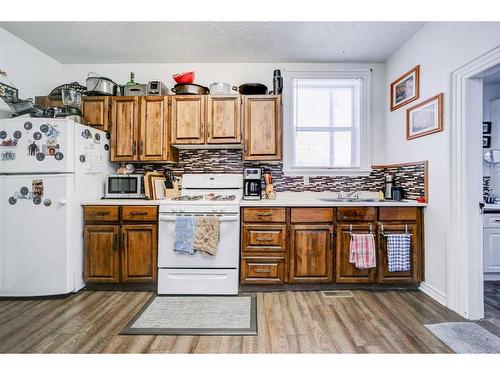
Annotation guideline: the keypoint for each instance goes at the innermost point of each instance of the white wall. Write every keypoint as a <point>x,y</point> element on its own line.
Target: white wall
<point>439,48</point>
<point>31,71</point>
<point>235,74</point>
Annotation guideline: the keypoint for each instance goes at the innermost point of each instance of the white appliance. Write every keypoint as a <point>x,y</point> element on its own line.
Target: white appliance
<point>47,167</point>
<point>491,246</point>
<point>179,273</point>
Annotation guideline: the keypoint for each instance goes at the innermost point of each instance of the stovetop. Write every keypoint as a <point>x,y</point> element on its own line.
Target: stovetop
<point>208,197</point>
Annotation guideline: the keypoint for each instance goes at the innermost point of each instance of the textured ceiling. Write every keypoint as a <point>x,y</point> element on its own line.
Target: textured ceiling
<point>154,42</point>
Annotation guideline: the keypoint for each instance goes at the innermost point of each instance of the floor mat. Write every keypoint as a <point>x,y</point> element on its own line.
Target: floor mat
<point>466,337</point>
<point>196,315</point>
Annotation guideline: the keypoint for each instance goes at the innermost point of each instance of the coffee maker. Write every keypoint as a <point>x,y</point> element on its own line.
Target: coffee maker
<point>252,183</point>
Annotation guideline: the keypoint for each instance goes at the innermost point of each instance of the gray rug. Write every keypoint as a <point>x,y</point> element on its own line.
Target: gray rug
<point>466,337</point>
<point>196,315</point>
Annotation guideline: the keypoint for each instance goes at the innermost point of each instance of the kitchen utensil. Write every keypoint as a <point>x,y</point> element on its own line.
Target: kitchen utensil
<point>157,88</point>
<point>251,89</point>
<point>67,86</point>
<point>187,77</point>
<point>389,180</point>
<point>190,89</point>
<point>220,88</point>
<point>397,193</point>
<point>71,98</point>
<point>277,82</point>
<point>97,85</point>
<point>135,90</point>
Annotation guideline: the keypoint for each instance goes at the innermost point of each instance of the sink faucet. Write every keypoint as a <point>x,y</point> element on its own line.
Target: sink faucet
<point>347,195</point>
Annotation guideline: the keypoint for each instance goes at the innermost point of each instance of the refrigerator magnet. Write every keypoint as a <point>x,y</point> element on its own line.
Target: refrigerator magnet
<point>40,156</point>
<point>59,156</point>
<point>37,187</point>
<point>8,155</point>
<point>17,134</point>
<point>82,158</point>
<point>44,128</point>
<point>3,134</point>
<point>24,190</point>
<point>106,147</point>
<point>86,134</point>
<point>37,200</point>
<point>47,202</point>
<point>12,200</point>
<point>9,143</point>
<point>28,125</point>
<point>37,136</point>
<point>33,149</point>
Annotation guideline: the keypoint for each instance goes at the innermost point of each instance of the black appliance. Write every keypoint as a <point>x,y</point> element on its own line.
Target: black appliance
<point>252,183</point>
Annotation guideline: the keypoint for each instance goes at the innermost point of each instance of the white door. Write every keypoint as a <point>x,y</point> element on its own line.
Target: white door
<point>36,251</point>
<point>31,145</point>
<point>492,250</point>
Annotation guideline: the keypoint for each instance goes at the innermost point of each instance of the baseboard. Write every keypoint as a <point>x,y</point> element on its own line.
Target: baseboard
<point>433,293</point>
<point>491,276</point>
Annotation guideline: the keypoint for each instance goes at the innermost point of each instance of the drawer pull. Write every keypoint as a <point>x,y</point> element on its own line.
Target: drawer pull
<point>102,213</point>
<point>262,270</point>
<point>496,220</point>
<point>264,214</point>
<point>264,239</point>
<point>138,213</point>
<point>345,217</point>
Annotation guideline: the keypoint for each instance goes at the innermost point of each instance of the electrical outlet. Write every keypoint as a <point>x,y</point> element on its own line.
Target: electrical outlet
<point>306,180</point>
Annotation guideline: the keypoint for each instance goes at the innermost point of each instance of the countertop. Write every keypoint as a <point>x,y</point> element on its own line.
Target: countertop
<point>312,199</point>
<point>120,202</point>
<point>491,207</point>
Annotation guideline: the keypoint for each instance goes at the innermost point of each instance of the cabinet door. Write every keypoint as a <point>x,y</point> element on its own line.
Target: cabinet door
<point>139,252</point>
<point>188,119</point>
<point>492,250</point>
<point>413,275</point>
<point>101,253</point>
<point>154,130</point>
<point>95,109</point>
<point>262,127</point>
<point>346,272</point>
<point>311,253</point>
<point>124,128</point>
<point>223,119</point>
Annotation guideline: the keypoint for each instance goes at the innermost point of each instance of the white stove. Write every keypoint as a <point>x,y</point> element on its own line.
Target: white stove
<point>202,195</point>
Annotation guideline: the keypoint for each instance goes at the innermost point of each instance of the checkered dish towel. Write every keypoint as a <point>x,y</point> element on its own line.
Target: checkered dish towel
<point>398,252</point>
<point>362,250</point>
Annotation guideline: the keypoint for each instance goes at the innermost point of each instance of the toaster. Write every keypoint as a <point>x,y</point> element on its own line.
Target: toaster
<point>135,90</point>
<point>157,88</point>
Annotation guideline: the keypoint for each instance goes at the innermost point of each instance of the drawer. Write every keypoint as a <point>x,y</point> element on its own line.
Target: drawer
<point>260,238</point>
<point>101,213</point>
<point>491,220</point>
<point>398,213</point>
<point>356,213</point>
<point>139,213</point>
<point>311,215</point>
<point>264,215</point>
<point>262,270</point>
<point>197,281</point>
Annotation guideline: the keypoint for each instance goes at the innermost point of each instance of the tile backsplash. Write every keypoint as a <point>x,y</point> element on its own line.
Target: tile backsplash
<point>410,177</point>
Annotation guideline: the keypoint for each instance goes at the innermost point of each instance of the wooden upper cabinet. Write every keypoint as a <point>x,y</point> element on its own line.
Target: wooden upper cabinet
<point>101,253</point>
<point>223,119</point>
<point>139,247</point>
<point>347,272</point>
<point>262,127</point>
<point>188,119</point>
<point>96,110</point>
<point>311,253</point>
<point>154,139</point>
<point>124,127</point>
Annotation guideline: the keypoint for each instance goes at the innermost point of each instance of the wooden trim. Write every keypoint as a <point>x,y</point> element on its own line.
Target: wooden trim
<point>439,98</point>
<point>416,69</point>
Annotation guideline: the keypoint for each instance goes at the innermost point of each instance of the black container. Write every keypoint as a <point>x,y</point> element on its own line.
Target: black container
<point>277,82</point>
<point>397,193</point>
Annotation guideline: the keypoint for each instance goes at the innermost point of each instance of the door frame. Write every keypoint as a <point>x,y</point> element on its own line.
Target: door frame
<point>464,255</point>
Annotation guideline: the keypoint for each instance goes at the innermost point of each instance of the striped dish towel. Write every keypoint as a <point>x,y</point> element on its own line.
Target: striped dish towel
<point>362,250</point>
<point>398,252</point>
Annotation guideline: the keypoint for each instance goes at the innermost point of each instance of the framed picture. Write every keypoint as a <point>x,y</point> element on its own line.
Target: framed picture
<point>425,118</point>
<point>150,188</point>
<point>405,89</point>
<point>486,141</point>
<point>486,127</point>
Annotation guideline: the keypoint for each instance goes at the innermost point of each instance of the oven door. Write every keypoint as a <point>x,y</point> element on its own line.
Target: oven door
<point>227,252</point>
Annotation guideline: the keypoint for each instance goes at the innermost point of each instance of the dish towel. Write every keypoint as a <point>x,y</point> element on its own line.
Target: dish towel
<point>398,252</point>
<point>206,235</point>
<point>184,234</point>
<point>362,250</point>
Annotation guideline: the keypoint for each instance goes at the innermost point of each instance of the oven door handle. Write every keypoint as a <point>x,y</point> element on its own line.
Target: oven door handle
<point>167,217</point>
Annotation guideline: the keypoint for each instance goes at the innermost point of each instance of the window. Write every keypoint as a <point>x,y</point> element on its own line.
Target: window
<point>325,123</point>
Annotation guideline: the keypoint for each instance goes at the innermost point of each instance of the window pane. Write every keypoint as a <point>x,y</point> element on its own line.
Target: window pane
<point>312,149</point>
<point>342,149</point>
<point>342,108</point>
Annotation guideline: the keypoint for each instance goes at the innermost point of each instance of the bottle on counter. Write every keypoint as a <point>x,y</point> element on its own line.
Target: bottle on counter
<point>389,183</point>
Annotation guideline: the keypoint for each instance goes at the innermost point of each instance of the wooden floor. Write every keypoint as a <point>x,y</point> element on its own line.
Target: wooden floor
<point>288,322</point>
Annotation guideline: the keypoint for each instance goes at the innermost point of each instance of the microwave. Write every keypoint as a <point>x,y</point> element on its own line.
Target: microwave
<point>125,186</point>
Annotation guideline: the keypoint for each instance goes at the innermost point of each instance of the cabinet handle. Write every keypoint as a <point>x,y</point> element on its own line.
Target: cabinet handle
<point>134,147</point>
<point>115,242</point>
<point>264,239</point>
<point>345,217</point>
<point>261,270</point>
<point>123,242</point>
<point>138,213</point>
<point>496,220</point>
<point>332,239</point>
<point>142,147</point>
<point>263,214</point>
<point>102,213</point>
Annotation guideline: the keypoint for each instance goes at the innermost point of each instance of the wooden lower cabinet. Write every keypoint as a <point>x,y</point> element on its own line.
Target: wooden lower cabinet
<point>139,244</point>
<point>102,261</point>
<point>346,272</point>
<point>311,253</point>
<point>263,269</point>
<point>124,250</point>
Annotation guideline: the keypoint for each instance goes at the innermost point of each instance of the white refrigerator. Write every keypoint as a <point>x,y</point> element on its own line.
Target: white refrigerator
<point>47,168</point>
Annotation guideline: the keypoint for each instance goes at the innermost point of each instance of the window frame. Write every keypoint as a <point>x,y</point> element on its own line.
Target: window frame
<point>365,119</point>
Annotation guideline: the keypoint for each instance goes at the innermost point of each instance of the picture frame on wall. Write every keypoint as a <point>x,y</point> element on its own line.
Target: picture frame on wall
<point>486,141</point>
<point>425,118</point>
<point>405,89</point>
<point>486,127</point>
